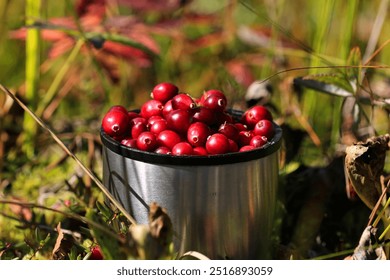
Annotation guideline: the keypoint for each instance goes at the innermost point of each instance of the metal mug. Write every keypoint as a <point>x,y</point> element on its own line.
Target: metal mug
<point>221,206</point>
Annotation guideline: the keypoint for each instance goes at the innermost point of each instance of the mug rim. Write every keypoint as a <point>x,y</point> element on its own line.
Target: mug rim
<point>228,158</point>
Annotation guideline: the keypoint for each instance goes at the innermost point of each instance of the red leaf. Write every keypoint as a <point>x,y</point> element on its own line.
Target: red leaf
<point>91,7</point>
<point>61,46</point>
<point>127,52</point>
<point>241,72</point>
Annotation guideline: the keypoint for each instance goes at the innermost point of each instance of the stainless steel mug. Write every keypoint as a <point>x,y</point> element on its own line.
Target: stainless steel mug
<point>221,206</point>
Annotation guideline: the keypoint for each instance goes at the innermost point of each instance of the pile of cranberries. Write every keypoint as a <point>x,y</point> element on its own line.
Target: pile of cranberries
<point>175,123</point>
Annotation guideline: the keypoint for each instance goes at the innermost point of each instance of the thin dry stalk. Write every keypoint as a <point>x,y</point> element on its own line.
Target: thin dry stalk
<point>69,152</point>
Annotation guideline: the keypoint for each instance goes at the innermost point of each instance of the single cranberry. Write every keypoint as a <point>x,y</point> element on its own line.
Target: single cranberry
<point>146,141</point>
<point>217,144</point>
<point>179,120</point>
<point>96,253</point>
<point>167,108</point>
<point>183,101</point>
<point>118,108</point>
<point>158,126</point>
<point>229,130</point>
<point>152,119</point>
<point>137,129</point>
<point>200,151</point>
<point>132,115</point>
<point>138,120</point>
<point>264,128</point>
<point>182,148</point>
<point>164,92</point>
<point>246,148</point>
<point>163,150</point>
<point>115,123</point>
<point>209,92</point>
<point>258,141</point>
<point>205,115</point>
<point>129,142</point>
<point>233,146</point>
<point>151,108</point>
<point>197,134</point>
<point>241,127</point>
<point>216,103</point>
<point>168,138</point>
<point>244,137</point>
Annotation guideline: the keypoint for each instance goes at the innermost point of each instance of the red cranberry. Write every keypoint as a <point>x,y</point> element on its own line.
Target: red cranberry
<point>129,142</point>
<point>137,129</point>
<point>200,151</point>
<point>217,144</point>
<point>183,101</point>
<point>163,150</point>
<point>118,108</point>
<point>197,134</point>
<point>182,148</point>
<point>132,115</point>
<point>96,253</point>
<point>229,130</point>
<point>216,103</point>
<point>244,137</point>
<point>138,120</point>
<point>179,120</point>
<point>152,119</point>
<point>205,115</point>
<point>164,91</point>
<point>168,138</point>
<point>167,108</point>
<point>158,126</point>
<point>265,128</point>
<point>233,146</point>
<point>146,141</point>
<point>115,123</point>
<point>151,108</point>
<point>246,148</point>
<point>258,141</point>
<point>241,127</point>
<point>209,92</point>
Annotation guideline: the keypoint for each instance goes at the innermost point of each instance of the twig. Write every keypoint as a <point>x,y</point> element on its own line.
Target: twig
<point>375,209</point>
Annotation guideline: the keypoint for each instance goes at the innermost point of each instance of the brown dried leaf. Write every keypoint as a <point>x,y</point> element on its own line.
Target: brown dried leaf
<point>366,250</point>
<point>364,163</point>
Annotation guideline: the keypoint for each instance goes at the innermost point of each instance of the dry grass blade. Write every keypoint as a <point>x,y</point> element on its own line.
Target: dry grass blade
<point>322,67</point>
<point>378,204</point>
<point>72,155</point>
<point>59,239</point>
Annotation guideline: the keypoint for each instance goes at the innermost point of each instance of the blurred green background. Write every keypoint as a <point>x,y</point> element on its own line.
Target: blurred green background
<point>69,61</point>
